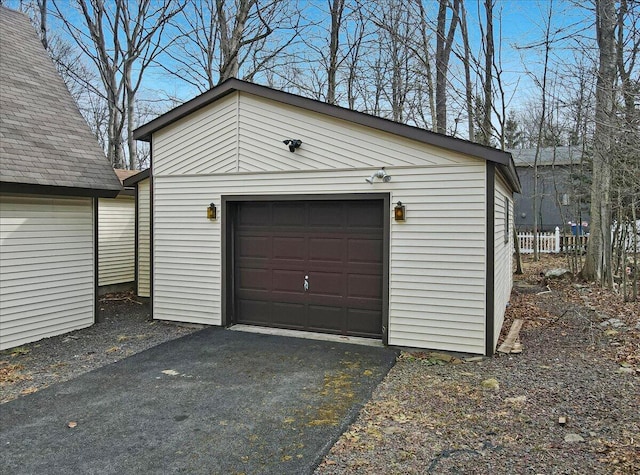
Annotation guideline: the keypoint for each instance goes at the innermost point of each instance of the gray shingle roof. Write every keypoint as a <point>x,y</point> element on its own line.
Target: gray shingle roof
<point>566,155</point>
<point>44,141</point>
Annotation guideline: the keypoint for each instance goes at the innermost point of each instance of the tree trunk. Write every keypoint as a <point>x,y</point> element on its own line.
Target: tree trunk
<point>541,123</point>
<point>516,245</point>
<point>42,4</point>
<point>467,72</point>
<point>337,8</point>
<point>444,41</point>
<point>488,73</point>
<point>597,265</point>
<point>636,249</point>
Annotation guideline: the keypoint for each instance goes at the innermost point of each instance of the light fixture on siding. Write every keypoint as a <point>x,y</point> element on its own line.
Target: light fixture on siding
<point>211,212</point>
<point>379,174</point>
<point>399,213</point>
<point>293,144</point>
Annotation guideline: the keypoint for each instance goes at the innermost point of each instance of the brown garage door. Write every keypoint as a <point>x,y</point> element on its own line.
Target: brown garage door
<point>310,265</point>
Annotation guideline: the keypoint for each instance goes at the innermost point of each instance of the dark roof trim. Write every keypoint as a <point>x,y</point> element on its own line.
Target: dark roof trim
<point>511,176</point>
<point>420,135</point>
<point>27,188</point>
<point>138,177</point>
<point>490,277</point>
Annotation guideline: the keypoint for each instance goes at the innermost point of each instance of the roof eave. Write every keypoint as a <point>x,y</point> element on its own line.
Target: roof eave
<point>35,189</point>
<point>137,178</point>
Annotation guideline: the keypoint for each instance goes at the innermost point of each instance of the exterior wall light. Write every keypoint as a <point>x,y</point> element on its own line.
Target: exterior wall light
<point>399,213</point>
<point>293,144</point>
<point>211,212</point>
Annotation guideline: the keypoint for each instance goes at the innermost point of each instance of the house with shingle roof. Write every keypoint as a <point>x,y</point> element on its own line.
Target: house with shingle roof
<point>52,173</point>
<point>562,195</point>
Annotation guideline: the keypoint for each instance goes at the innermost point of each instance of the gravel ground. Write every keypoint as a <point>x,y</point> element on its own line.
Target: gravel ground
<point>501,414</point>
<point>125,328</point>
<point>431,415</point>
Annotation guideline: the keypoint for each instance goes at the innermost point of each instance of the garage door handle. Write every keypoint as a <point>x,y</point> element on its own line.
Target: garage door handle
<point>306,283</point>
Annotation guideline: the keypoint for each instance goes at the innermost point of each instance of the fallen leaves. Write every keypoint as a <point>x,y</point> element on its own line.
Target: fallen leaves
<point>12,373</point>
<point>170,372</point>
<point>561,386</point>
<point>29,390</point>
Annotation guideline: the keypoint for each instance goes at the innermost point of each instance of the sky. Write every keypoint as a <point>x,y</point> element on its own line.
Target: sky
<point>519,26</point>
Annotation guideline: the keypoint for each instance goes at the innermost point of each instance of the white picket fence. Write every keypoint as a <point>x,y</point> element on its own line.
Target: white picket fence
<point>555,242</point>
<point>547,242</point>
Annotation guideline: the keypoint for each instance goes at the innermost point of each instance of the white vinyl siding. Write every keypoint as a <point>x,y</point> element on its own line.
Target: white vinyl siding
<point>437,284</point>
<point>503,257</point>
<point>116,240</point>
<point>144,232</point>
<point>190,146</point>
<point>244,133</point>
<point>437,296</point>
<point>47,267</point>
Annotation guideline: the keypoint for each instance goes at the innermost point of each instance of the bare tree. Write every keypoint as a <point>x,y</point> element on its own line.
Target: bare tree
<point>597,264</point>
<point>121,39</point>
<point>444,42</point>
<point>336,10</point>
<point>220,39</point>
<point>466,61</point>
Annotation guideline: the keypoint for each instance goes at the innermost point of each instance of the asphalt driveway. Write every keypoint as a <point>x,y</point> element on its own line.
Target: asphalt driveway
<point>216,401</point>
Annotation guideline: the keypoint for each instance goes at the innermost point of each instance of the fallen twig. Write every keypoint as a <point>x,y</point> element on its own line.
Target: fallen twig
<point>125,299</point>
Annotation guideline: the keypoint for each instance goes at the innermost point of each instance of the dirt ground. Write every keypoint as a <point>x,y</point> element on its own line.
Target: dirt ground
<point>506,414</point>
<point>433,414</point>
<point>125,327</point>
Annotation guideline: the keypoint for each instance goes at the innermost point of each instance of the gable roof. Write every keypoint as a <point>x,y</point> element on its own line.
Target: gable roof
<point>565,155</point>
<point>490,154</point>
<point>45,144</point>
<point>137,178</point>
<point>123,174</point>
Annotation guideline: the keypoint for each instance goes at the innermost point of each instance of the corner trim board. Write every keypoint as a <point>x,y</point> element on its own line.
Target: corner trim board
<point>96,277</point>
<point>490,256</point>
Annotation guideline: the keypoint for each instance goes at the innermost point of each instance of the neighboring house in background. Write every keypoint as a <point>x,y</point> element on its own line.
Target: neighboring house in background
<point>52,173</point>
<point>116,238</point>
<point>302,241</point>
<point>141,182</point>
<point>561,196</point>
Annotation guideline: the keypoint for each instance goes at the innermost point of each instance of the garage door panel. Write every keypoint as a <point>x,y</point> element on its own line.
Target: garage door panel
<point>364,286</point>
<point>325,249</point>
<point>363,322</point>
<point>254,214</point>
<point>254,246</point>
<point>288,315</point>
<point>288,281</point>
<point>256,312</point>
<point>365,250</point>
<point>254,279</point>
<point>337,244</point>
<point>365,214</point>
<point>326,284</point>
<point>326,214</point>
<point>294,248</point>
<point>326,318</point>
<point>289,214</point>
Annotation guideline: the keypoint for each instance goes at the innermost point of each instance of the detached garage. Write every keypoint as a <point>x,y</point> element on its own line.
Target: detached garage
<point>52,173</point>
<point>355,225</point>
